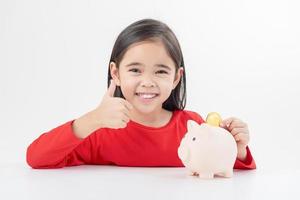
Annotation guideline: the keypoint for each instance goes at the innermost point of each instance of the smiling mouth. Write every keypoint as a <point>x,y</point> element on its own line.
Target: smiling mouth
<point>147,95</point>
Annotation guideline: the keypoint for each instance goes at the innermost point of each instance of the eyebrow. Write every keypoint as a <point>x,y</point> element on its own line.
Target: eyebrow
<point>141,64</point>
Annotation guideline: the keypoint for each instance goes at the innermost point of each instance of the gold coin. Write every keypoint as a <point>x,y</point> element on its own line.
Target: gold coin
<point>213,118</point>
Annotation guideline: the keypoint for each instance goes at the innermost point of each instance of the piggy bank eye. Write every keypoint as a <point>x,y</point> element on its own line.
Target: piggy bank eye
<point>194,138</point>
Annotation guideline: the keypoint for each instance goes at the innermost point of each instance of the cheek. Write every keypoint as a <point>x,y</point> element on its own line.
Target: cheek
<point>166,88</point>
<point>127,87</point>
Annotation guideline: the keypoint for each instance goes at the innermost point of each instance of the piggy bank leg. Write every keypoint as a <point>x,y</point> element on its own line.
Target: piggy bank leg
<point>192,173</point>
<point>195,174</point>
<point>226,174</point>
<point>206,175</point>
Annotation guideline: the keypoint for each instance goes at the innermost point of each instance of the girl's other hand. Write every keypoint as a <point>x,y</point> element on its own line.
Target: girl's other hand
<point>240,132</point>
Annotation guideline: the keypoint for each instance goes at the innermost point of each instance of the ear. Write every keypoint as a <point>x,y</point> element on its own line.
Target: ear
<point>191,124</point>
<point>178,76</point>
<point>114,72</point>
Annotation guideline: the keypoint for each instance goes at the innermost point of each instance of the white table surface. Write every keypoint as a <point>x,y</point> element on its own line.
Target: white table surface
<point>18,181</point>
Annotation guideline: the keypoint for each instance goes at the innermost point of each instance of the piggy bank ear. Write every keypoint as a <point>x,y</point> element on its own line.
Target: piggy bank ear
<point>191,124</point>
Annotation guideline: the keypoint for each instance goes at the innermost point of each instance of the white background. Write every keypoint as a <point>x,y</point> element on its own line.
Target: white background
<point>242,59</point>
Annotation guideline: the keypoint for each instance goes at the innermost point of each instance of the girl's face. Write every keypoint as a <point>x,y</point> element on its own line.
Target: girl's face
<point>146,75</point>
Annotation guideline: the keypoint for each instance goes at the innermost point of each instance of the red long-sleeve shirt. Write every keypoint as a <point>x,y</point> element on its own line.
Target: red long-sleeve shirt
<point>134,145</point>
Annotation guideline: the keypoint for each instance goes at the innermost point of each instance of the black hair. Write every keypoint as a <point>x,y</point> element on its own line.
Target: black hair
<point>147,29</point>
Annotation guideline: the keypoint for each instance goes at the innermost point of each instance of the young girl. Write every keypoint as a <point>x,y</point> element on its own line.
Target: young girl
<point>141,118</point>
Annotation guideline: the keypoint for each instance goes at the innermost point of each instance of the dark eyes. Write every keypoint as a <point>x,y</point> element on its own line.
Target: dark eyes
<point>194,138</point>
<point>133,70</point>
<point>160,71</point>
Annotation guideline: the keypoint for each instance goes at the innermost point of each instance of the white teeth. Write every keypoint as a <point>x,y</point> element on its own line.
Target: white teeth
<point>146,96</point>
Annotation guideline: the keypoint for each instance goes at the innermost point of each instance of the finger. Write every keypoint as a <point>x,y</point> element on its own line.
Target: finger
<point>238,137</point>
<point>127,104</point>
<point>111,89</point>
<point>126,114</point>
<point>236,131</point>
<point>241,137</point>
<point>231,123</point>
<point>124,109</point>
<point>227,122</point>
<point>125,119</point>
<point>224,126</point>
<point>123,124</point>
<point>237,124</point>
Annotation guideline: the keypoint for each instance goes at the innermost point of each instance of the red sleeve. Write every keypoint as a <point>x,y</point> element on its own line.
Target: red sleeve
<point>249,163</point>
<point>195,116</point>
<point>58,148</point>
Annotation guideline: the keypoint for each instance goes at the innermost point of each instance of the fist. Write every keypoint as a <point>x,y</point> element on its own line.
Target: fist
<point>238,129</point>
<point>113,112</point>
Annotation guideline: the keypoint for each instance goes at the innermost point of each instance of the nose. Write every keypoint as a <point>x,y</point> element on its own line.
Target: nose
<point>147,82</point>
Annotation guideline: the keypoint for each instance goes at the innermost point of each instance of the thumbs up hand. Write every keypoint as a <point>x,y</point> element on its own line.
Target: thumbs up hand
<point>113,112</point>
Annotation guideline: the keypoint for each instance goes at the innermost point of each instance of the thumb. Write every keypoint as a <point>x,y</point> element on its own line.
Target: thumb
<point>111,89</point>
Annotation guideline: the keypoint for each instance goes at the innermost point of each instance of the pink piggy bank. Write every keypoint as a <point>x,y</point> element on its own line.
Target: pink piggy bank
<point>207,150</point>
